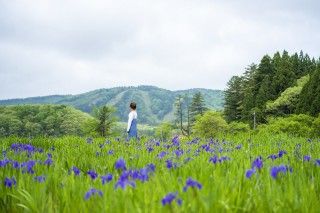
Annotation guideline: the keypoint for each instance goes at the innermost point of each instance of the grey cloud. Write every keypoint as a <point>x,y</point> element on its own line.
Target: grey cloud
<point>51,47</point>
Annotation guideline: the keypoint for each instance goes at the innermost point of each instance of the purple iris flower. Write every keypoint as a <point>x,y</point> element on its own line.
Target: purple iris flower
<point>273,157</point>
<point>10,182</point>
<point>281,153</point>
<point>40,179</point>
<point>92,192</point>
<point>150,149</point>
<point>187,160</point>
<point>89,140</point>
<point>123,183</point>
<point>28,166</point>
<point>151,167</point>
<point>214,159</point>
<point>239,146</point>
<point>167,200</point>
<point>19,147</point>
<point>224,158</point>
<point>192,183</point>
<point>120,164</point>
<point>306,158</point>
<point>143,175</point>
<point>48,162</point>
<point>257,163</point>
<point>76,170</point>
<point>4,162</point>
<point>274,171</point>
<point>162,154</point>
<point>15,164</point>
<point>176,141</point>
<point>92,174</point>
<point>178,152</point>
<point>170,164</point>
<point>106,178</point>
<point>317,162</point>
<point>110,152</point>
<point>249,173</point>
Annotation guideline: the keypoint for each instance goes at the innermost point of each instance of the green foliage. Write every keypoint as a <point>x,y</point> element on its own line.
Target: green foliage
<point>316,127</point>
<point>273,88</point>
<point>33,120</point>
<point>310,95</point>
<point>238,127</point>
<point>104,120</point>
<point>210,125</point>
<point>154,104</point>
<point>225,187</point>
<point>233,99</point>
<point>164,131</point>
<point>287,102</point>
<point>197,106</point>
<point>295,125</point>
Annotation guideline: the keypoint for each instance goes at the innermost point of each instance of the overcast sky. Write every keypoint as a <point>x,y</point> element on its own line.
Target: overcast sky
<point>69,47</point>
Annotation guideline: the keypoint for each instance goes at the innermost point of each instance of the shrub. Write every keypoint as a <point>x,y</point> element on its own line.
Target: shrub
<point>238,127</point>
<point>164,131</point>
<point>296,125</point>
<point>316,127</point>
<point>210,124</point>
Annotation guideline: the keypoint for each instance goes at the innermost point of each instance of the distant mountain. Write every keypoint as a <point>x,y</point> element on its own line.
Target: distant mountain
<point>154,104</point>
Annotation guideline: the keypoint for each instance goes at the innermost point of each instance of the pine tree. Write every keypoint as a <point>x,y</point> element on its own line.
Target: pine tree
<point>248,99</point>
<point>233,99</point>
<point>105,117</point>
<point>197,106</point>
<point>265,69</point>
<point>284,75</point>
<point>310,95</point>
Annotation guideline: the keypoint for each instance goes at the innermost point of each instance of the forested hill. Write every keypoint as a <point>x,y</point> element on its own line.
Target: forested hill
<point>279,85</point>
<point>154,104</point>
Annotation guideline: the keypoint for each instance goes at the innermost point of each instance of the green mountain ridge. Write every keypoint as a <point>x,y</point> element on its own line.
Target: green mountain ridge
<point>154,104</point>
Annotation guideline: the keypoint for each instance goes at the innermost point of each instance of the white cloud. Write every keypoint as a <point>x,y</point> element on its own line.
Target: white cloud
<point>63,47</point>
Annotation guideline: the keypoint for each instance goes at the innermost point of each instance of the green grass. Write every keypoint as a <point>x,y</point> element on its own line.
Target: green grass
<point>224,186</point>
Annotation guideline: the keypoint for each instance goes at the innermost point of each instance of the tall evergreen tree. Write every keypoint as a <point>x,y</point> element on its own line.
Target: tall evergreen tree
<point>310,95</point>
<point>233,99</point>
<point>105,118</point>
<point>248,98</point>
<point>284,75</point>
<point>197,106</point>
<point>262,88</point>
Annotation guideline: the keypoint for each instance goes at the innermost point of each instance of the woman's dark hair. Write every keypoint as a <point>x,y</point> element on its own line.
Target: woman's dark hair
<point>133,105</point>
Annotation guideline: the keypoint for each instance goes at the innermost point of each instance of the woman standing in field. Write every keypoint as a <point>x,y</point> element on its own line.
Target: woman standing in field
<point>132,122</point>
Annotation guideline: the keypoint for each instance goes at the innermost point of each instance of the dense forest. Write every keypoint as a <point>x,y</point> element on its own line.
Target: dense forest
<point>46,120</point>
<point>280,85</point>
<point>154,104</point>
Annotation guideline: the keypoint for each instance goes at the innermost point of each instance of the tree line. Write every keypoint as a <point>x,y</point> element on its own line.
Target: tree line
<point>278,86</point>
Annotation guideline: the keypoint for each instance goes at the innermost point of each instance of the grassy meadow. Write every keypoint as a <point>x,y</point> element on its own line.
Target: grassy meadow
<point>240,173</point>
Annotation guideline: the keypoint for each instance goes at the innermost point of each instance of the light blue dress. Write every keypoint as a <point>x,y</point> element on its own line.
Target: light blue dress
<point>133,131</point>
